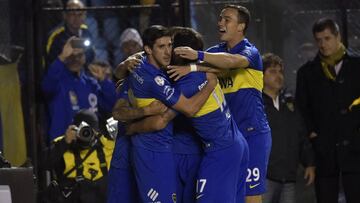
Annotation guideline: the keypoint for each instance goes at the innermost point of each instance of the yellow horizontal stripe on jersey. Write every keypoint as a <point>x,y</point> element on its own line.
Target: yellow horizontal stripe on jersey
<point>241,78</point>
<point>139,102</point>
<point>142,102</point>
<point>213,103</point>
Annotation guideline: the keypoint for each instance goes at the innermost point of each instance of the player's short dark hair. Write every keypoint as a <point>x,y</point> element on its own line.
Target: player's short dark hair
<point>187,37</point>
<point>243,14</point>
<point>271,60</point>
<point>326,23</point>
<point>153,33</point>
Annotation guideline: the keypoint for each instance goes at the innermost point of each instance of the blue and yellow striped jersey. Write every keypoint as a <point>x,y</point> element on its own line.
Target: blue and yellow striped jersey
<point>148,83</point>
<point>213,122</point>
<point>242,88</point>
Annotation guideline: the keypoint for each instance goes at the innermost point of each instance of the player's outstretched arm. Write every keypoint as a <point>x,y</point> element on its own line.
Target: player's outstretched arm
<point>177,72</point>
<point>220,60</point>
<point>190,106</point>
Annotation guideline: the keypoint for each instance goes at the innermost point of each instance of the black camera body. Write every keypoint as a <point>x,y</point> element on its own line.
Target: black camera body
<point>85,135</point>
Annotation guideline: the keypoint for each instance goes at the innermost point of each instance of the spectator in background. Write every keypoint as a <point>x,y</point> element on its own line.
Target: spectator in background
<point>290,144</point>
<point>102,68</point>
<point>80,160</point>
<point>68,89</point>
<point>73,25</point>
<point>130,42</point>
<point>328,96</point>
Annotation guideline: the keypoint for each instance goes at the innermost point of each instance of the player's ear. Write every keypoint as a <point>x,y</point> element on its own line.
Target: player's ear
<point>147,50</point>
<point>241,27</point>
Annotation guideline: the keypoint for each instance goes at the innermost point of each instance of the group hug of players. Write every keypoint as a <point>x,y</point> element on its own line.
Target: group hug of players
<point>193,123</point>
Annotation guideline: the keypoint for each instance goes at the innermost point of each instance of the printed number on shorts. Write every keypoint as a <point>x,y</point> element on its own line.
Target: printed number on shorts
<point>253,175</point>
<point>200,185</point>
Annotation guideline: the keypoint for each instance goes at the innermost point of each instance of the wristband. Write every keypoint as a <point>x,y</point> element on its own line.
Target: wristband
<point>200,55</point>
<point>193,68</point>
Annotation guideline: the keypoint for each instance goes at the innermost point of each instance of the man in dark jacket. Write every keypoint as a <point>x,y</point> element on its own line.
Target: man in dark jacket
<point>289,142</point>
<point>73,25</point>
<point>328,94</point>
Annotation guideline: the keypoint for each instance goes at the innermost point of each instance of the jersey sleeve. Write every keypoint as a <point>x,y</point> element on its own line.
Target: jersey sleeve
<point>253,56</point>
<point>164,91</point>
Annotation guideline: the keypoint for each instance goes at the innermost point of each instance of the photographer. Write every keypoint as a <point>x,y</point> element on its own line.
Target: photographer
<point>79,161</point>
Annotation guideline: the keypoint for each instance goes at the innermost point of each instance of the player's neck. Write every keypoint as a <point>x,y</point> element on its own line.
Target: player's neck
<point>233,42</point>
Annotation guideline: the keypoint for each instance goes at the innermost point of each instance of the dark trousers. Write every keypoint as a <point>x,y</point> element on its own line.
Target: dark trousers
<point>327,188</point>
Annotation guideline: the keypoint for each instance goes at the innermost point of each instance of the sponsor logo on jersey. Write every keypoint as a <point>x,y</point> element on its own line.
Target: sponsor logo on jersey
<point>226,82</point>
<point>168,91</point>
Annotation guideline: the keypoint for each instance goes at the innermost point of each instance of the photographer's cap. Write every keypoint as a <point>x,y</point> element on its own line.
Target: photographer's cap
<point>88,116</point>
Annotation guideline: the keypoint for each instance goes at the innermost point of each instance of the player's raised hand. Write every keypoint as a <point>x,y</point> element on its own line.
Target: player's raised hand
<point>186,52</point>
<point>177,72</point>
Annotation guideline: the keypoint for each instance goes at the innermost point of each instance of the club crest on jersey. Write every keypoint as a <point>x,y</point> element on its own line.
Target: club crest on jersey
<point>73,100</point>
<point>159,80</point>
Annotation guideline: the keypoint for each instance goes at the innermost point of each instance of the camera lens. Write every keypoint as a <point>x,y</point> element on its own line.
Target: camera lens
<point>86,133</point>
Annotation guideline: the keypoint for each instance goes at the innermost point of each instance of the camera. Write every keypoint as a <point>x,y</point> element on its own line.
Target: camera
<point>80,43</point>
<point>85,133</point>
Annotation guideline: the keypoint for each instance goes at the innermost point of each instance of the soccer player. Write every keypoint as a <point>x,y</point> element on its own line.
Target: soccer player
<point>226,153</point>
<point>152,152</point>
<point>242,84</point>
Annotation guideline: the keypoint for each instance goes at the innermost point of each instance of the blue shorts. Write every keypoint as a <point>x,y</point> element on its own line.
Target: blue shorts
<point>259,152</point>
<point>121,179</point>
<point>187,166</point>
<point>155,175</point>
<point>220,172</point>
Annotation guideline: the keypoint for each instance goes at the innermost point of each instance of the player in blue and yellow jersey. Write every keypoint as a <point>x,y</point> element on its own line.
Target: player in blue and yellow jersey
<point>122,185</point>
<point>242,84</point>
<point>152,152</point>
<point>226,152</point>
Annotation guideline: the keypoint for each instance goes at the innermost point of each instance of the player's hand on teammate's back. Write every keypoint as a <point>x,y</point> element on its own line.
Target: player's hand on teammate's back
<point>177,72</point>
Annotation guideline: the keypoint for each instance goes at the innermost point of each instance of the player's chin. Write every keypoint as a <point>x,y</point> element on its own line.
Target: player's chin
<point>222,36</point>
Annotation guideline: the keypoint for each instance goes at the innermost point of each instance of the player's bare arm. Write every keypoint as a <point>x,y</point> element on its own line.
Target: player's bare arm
<point>151,123</point>
<point>220,60</point>
<point>123,111</point>
<point>190,106</point>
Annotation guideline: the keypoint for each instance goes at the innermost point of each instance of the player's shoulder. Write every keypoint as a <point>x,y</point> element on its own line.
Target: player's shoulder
<point>217,48</point>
